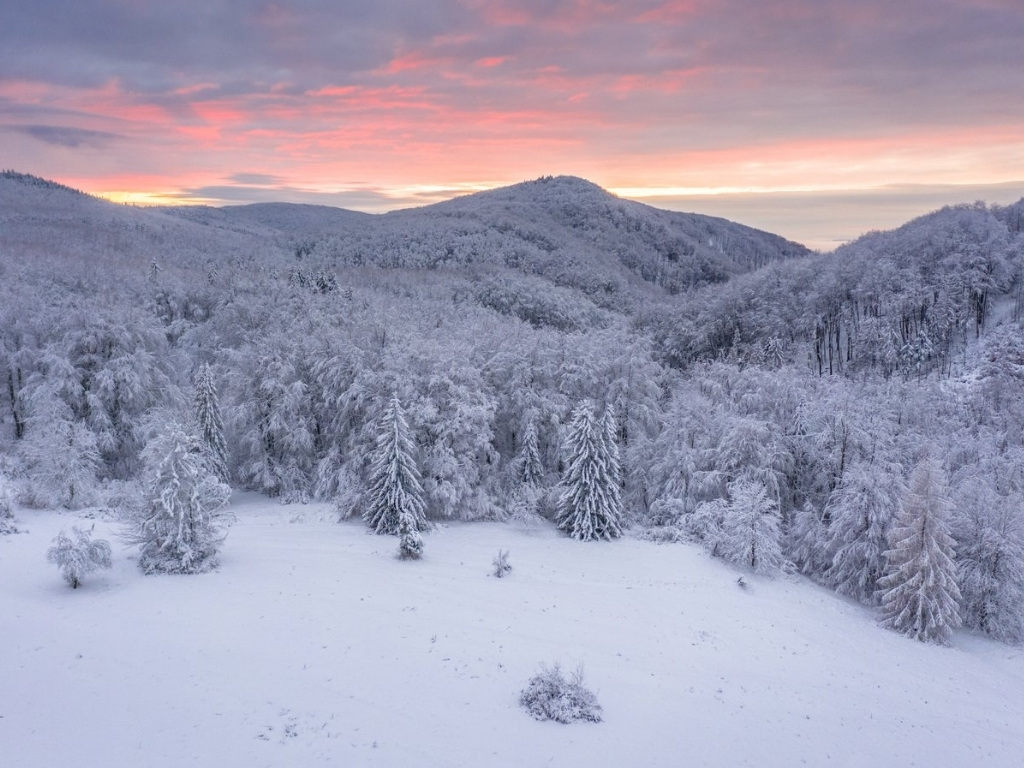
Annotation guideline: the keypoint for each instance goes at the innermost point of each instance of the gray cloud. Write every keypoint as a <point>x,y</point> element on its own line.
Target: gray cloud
<point>826,220</point>
<point>368,200</point>
<point>63,136</point>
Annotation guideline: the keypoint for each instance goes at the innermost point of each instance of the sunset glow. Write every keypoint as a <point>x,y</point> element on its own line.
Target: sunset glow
<point>399,103</point>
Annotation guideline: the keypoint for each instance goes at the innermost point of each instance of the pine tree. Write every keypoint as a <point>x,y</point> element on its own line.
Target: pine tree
<point>920,597</point>
<point>749,532</point>
<point>181,527</point>
<point>531,469</point>
<point>590,506</point>
<point>211,424</point>
<point>396,494</point>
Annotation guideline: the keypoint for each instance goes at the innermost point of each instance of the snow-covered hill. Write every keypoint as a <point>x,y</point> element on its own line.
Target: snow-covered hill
<point>312,645</point>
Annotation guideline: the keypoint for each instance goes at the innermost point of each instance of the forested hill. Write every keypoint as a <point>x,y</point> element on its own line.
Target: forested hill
<point>747,385</point>
<point>562,228</point>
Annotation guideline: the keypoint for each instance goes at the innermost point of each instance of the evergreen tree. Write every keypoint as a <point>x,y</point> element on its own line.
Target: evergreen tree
<point>531,470</point>
<point>211,424</point>
<point>920,597</point>
<point>590,506</point>
<point>396,494</point>
<point>180,527</point>
<point>749,532</point>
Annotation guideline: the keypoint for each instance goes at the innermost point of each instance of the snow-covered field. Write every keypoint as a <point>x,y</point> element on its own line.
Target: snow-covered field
<point>313,645</point>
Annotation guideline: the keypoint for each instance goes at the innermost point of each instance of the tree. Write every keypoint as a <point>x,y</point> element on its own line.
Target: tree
<point>61,454</point>
<point>990,554</point>
<point>396,494</point>
<point>589,506</point>
<point>211,424</point>
<point>861,511</point>
<point>79,556</point>
<point>749,533</point>
<point>181,527</point>
<point>920,597</point>
<point>531,470</point>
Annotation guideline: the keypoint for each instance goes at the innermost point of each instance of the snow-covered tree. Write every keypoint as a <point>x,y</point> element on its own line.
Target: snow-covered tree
<point>589,506</point>
<point>79,555</point>
<point>861,511</point>
<point>181,526</point>
<point>6,511</point>
<point>920,596</point>
<point>749,532</point>
<point>210,421</point>
<point>61,454</point>
<point>395,496</point>
<point>531,470</point>
<point>410,542</point>
<point>990,554</point>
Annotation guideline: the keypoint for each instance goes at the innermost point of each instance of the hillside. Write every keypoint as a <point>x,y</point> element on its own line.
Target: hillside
<point>312,646</point>
<point>806,389</point>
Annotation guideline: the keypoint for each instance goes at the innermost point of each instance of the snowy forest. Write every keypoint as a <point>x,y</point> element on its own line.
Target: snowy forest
<point>545,350</point>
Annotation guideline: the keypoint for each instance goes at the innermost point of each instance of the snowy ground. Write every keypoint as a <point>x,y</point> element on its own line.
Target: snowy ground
<point>313,645</point>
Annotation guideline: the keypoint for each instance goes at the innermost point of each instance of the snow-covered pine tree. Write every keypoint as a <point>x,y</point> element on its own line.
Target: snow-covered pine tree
<point>531,470</point>
<point>410,542</point>
<point>211,423</point>
<point>181,526</point>
<point>861,511</point>
<point>395,493</point>
<point>589,506</point>
<point>79,556</point>
<point>749,533</point>
<point>919,593</point>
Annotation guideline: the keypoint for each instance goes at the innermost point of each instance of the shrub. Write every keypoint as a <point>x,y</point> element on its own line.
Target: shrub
<point>501,564</point>
<point>551,696</point>
<point>80,556</point>
<point>6,513</point>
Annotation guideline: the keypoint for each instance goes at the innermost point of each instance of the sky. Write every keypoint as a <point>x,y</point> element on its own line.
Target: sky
<point>816,119</point>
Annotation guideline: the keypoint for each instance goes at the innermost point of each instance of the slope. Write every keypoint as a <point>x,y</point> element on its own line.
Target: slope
<point>312,645</point>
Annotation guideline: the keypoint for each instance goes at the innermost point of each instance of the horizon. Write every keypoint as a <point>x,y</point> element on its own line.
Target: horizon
<point>818,123</point>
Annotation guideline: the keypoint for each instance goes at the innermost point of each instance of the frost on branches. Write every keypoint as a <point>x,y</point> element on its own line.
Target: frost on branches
<point>748,528</point>
<point>395,499</point>
<point>180,528</point>
<point>590,506</point>
<point>920,597</point>
<point>210,421</point>
<point>79,555</point>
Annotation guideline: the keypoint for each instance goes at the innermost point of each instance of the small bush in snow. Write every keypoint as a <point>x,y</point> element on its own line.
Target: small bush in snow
<point>501,565</point>
<point>79,556</point>
<point>551,696</point>
<point>6,513</point>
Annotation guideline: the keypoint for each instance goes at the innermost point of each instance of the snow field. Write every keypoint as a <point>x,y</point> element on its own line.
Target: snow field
<point>314,645</point>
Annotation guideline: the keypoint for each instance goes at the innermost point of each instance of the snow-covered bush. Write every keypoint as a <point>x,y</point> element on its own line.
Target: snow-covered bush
<point>181,525</point>
<point>6,512</point>
<point>79,555</point>
<point>550,695</point>
<point>500,565</point>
